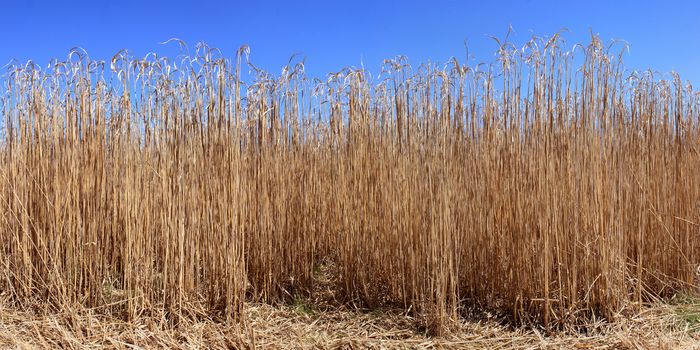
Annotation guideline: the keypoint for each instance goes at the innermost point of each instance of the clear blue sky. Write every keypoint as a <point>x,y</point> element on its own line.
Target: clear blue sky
<point>664,35</point>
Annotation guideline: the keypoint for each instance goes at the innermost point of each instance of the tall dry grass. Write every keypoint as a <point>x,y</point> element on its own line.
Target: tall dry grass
<point>550,185</point>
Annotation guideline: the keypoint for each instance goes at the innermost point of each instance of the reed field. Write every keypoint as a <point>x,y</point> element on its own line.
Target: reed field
<point>552,187</point>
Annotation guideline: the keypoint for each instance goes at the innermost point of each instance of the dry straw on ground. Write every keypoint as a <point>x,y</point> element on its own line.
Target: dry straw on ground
<point>289,327</point>
<point>548,188</point>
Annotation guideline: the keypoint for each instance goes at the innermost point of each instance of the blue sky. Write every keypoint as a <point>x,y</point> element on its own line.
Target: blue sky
<point>664,35</point>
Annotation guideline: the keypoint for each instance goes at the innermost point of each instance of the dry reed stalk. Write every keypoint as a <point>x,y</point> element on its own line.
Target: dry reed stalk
<point>529,187</point>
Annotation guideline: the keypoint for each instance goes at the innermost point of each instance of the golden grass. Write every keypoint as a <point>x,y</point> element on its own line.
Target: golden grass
<point>532,188</point>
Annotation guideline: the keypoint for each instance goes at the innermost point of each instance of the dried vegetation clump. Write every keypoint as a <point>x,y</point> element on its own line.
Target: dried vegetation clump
<point>548,187</point>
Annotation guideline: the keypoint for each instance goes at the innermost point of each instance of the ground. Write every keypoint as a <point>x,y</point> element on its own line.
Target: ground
<point>674,325</point>
<point>323,323</point>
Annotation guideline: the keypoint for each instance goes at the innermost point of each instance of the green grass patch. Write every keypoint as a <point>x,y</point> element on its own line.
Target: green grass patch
<point>301,307</point>
<point>687,310</point>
